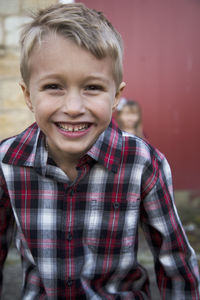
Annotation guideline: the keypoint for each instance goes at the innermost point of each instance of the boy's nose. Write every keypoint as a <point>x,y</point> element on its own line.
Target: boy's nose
<point>73,104</point>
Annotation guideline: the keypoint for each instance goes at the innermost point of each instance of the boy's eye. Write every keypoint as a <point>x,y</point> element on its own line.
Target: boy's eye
<point>94,87</point>
<point>52,86</point>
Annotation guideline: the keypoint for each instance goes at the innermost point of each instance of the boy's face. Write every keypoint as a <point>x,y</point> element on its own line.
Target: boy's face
<point>72,95</point>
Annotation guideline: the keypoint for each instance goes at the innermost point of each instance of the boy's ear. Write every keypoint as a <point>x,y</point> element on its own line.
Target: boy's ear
<point>118,95</point>
<point>26,93</point>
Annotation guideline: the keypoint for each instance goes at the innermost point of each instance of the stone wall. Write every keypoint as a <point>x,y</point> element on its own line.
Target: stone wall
<point>14,115</point>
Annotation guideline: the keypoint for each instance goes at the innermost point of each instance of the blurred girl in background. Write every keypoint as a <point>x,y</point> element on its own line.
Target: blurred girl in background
<point>129,117</point>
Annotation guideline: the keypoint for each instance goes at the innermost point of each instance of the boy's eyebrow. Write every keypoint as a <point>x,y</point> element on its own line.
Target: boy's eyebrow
<point>98,77</point>
<point>50,76</point>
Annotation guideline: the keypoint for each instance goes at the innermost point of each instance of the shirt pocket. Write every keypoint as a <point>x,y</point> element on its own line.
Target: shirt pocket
<point>111,227</point>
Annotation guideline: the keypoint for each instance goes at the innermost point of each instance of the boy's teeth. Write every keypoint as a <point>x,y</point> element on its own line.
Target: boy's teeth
<point>73,128</point>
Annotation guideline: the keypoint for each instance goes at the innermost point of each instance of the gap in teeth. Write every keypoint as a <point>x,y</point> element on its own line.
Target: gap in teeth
<point>73,128</point>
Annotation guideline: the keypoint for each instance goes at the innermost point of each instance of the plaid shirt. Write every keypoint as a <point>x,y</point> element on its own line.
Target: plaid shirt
<point>78,240</point>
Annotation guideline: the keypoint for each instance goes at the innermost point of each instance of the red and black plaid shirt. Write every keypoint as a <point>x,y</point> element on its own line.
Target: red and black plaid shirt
<point>78,240</point>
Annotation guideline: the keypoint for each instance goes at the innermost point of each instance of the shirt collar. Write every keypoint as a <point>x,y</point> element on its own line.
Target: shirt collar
<point>28,149</point>
<point>107,149</point>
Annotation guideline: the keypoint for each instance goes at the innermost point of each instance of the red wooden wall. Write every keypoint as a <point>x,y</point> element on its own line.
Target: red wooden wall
<point>162,72</point>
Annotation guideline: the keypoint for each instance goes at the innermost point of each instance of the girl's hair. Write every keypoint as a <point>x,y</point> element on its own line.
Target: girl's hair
<point>85,27</point>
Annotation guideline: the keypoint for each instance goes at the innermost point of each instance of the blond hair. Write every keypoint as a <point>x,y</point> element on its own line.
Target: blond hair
<point>86,27</point>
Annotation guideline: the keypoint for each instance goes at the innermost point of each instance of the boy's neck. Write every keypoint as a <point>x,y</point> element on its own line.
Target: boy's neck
<point>68,166</point>
<point>71,172</point>
<point>65,163</point>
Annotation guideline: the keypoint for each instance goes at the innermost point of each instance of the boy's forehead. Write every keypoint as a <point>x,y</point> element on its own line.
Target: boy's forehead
<point>94,33</point>
<point>53,44</point>
<point>57,54</point>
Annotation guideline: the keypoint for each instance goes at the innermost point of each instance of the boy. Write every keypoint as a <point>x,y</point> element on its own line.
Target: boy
<point>75,185</point>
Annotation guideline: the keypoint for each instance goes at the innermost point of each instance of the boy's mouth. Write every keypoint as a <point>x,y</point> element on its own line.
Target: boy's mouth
<point>73,127</point>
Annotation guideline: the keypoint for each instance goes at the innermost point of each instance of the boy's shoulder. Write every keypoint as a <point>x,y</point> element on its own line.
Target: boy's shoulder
<point>148,161</point>
<point>141,148</point>
<point>17,147</point>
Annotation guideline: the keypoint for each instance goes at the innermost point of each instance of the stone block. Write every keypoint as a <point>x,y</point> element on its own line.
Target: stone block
<point>11,96</point>
<point>9,67</point>
<point>13,26</point>
<point>9,7</point>
<point>30,5</point>
<point>1,31</point>
<point>66,1</point>
<point>14,121</point>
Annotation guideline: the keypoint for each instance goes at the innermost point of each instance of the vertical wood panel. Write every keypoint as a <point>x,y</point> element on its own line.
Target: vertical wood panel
<point>162,72</point>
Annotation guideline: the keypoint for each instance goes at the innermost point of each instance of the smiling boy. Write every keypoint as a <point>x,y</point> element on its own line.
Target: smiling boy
<point>75,185</point>
<point>72,106</point>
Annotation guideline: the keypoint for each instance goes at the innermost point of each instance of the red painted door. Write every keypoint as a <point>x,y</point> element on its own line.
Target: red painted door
<point>162,72</point>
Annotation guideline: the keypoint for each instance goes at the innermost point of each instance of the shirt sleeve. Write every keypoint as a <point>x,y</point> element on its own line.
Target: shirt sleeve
<point>176,265</point>
<point>6,226</point>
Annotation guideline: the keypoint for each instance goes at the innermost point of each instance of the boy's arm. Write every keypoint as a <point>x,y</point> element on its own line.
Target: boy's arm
<point>175,262</point>
<point>6,221</point>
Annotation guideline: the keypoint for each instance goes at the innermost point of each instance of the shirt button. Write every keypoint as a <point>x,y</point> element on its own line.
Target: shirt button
<point>69,282</point>
<point>69,236</point>
<point>116,205</point>
<point>78,188</point>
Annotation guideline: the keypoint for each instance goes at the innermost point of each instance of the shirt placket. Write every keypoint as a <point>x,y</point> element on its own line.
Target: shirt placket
<point>68,231</point>
<point>68,240</point>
